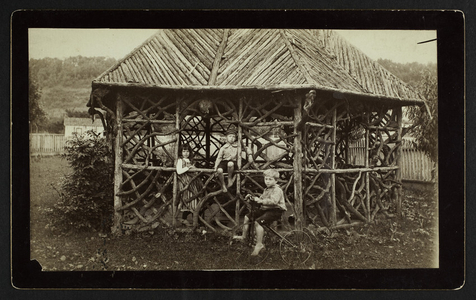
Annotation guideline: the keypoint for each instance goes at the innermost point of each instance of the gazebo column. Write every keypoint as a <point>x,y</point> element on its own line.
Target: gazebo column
<point>175,200</point>
<point>208,133</point>
<point>333,214</point>
<point>116,227</point>
<point>367,165</point>
<point>297,166</point>
<point>238,162</point>
<point>348,159</point>
<point>398,173</point>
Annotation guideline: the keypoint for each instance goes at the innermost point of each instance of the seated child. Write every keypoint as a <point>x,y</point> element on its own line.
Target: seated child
<point>272,206</point>
<point>227,158</point>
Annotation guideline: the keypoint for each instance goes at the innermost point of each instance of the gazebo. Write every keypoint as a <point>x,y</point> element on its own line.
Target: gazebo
<point>299,99</point>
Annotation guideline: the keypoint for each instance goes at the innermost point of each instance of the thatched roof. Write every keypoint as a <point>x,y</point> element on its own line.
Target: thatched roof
<point>255,58</point>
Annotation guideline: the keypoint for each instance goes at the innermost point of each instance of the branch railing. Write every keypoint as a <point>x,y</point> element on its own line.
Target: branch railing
<point>359,192</point>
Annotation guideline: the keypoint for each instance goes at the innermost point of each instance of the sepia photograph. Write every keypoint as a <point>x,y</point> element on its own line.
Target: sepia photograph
<point>232,149</point>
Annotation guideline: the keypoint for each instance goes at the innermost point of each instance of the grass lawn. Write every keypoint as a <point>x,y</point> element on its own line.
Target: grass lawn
<point>410,242</point>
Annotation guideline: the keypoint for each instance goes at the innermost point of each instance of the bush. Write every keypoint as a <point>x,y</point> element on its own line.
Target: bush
<point>87,193</point>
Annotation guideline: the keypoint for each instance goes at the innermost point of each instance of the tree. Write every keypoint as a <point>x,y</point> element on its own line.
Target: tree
<point>55,126</point>
<point>87,192</point>
<point>425,118</point>
<point>410,73</point>
<point>72,113</point>
<point>37,115</point>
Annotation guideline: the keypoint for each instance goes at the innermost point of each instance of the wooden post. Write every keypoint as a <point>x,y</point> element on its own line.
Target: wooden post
<point>333,214</point>
<point>238,162</point>
<point>297,166</point>
<point>208,134</point>
<point>176,152</point>
<point>116,226</point>
<point>367,163</point>
<point>398,172</point>
<point>347,146</point>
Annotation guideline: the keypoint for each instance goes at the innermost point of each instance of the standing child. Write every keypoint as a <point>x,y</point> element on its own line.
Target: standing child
<point>185,163</point>
<point>227,158</point>
<point>272,207</point>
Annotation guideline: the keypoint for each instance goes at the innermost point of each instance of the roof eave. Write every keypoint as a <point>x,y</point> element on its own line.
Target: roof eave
<point>336,93</point>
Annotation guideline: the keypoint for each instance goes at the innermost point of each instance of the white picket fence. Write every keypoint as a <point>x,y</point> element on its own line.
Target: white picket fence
<point>416,165</point>
<point>46,143</point>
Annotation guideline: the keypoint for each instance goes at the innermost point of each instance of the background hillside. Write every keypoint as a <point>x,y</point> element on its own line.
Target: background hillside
<point>64,85</point>
<point>411,73</point>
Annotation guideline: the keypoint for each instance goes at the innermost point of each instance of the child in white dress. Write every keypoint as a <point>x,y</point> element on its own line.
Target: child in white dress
<point>184,165</point>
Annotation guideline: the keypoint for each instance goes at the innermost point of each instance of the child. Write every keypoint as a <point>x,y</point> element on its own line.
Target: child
<point>227,158</point>
<point>185,163</point>
<point>272,206</point>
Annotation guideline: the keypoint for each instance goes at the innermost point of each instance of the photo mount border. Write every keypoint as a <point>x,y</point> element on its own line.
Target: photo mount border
<point>451,60</point>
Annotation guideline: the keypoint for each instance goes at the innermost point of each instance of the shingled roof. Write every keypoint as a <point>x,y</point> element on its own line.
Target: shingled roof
<point>258,58</point>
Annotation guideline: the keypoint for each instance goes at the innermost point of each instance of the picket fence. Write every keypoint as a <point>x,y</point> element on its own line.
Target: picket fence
<point>415,164</point>
<point>46,143</point>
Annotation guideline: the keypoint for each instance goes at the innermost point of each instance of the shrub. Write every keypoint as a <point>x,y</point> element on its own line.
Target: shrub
<point>87,193</point>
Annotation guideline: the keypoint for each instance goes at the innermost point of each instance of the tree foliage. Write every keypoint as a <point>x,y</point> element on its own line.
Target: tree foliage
<point>73,113</point>
<point>77,71</point>
<point>54,126</point>
<point>423,78</point>
<point>61,86</point>
<point>410,73</point>
<point>37,115</point>
<point>425,118</point>
<point>87,192</point>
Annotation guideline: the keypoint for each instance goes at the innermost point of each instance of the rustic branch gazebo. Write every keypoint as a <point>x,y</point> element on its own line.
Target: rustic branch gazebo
<point>298,98</point>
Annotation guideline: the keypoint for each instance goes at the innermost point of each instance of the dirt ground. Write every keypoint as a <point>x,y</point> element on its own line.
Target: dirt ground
<point>410,242</point>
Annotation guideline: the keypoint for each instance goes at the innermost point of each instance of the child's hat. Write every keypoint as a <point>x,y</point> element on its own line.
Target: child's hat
<point>231,130</point>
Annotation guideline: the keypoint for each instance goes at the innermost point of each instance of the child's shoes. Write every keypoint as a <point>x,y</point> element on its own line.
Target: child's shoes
<point>257,249</point>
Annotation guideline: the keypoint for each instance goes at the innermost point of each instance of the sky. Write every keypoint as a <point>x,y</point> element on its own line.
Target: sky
<point>397,45</point>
